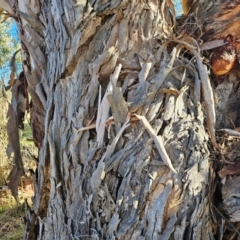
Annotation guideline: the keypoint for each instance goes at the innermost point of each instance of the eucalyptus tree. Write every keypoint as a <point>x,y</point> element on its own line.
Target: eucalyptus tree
<point>123,114</point>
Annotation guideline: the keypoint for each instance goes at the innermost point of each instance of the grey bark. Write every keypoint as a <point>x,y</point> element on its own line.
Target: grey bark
<point>122,187</point>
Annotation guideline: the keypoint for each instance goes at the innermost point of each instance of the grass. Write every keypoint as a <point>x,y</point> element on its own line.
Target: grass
<point>11,216</point>
<point>11,219</point>
<point>25,135</point>
<point>27,132</point>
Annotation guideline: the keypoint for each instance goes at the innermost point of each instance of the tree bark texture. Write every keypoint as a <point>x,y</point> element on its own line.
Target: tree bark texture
<point>118,117</point>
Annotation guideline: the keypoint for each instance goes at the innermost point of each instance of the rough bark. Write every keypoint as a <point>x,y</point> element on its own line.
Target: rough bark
<point>147,175</point>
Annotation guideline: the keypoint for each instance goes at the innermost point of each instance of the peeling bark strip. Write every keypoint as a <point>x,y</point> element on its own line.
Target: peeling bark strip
<point>158,141</point>
<point>89,63</point>
<point>16,111</point>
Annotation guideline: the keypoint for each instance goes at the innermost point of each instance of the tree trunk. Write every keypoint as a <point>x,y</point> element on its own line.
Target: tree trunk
<point>118,117</point>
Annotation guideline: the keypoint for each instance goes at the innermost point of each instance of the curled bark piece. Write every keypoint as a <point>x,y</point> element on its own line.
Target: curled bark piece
<point>230,132</point>
<point>114,143</point>
<point>158,141</point>
<point>230,170</point>
<point>92,126</point>
<point>13,68</point>
<point>5,5</point>
<point>212,44</point>
<point>206,87</point>
<point>104,106</point>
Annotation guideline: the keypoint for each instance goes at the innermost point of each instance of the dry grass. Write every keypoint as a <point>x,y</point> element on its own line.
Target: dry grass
<point>11,224</point>
<point>11,219</point>
<point>11,216</point>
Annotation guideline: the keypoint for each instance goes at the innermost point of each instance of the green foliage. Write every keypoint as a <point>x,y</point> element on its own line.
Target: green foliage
<point>8,43</point>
